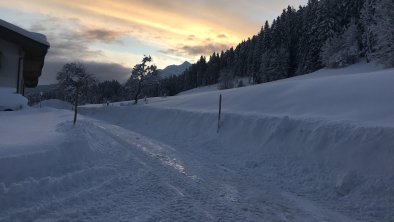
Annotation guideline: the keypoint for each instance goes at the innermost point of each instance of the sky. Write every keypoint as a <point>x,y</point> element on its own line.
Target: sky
<point>110,37</point>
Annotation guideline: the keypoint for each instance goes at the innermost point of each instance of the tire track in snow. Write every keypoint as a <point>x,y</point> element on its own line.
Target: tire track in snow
<point>216,199</point>
<point>228,185</point>
<point>147,145</point>
<point>231,186</point>
<point>194,196</point>
<point>157,182</point>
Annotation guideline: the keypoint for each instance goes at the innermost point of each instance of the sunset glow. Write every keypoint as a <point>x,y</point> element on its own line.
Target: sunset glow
<point>116,34</point>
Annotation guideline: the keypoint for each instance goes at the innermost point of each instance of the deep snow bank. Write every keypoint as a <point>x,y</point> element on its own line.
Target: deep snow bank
<point>333,95</point>
<point>327,135</point>
<point>343,146</point>
<point>9,99</point>
<point>29,128</point>
<point>345,117</point>
<point>44,159</point>
<point>349,165</point>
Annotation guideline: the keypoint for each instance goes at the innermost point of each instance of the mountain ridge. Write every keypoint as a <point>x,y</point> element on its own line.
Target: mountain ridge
<point>174,70</point>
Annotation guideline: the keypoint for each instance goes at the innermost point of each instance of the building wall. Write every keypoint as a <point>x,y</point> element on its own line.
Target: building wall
<point>10,54</point>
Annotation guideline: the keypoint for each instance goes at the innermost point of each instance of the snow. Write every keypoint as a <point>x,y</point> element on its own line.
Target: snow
<point>291,150</point>
<point>31,35</point>
<point>36,127</point>
<point>361,98</point>
<point>200,90</point>
<point>11,100</point>
<point>55,103</point>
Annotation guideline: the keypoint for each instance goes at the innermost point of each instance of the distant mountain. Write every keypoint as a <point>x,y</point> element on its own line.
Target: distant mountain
<point>174,70</point>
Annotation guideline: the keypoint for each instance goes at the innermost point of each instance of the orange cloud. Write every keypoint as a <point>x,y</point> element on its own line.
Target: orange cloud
<point>166,24</point>
<point>173,20</point>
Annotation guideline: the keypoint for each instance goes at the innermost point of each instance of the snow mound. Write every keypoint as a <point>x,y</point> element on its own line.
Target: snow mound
<point>360,98</point>
<point>9,100</point>
<point>29,129</point>
<point>335,162</point>
<point>200,90</point>
<point>362,67</point>
<point>36,170</point>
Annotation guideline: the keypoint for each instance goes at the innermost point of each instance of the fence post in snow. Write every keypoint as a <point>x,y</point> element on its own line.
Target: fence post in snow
<point>220,111</point>
<point>76,105</point>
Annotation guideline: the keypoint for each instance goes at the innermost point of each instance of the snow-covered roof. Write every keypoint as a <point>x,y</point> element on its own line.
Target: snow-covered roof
<point>31,35</point>
<point>35,47</point>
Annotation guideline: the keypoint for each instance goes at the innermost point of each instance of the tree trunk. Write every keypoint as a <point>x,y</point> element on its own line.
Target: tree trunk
<point>76,106</point>
<point>137,94</point>
<point>220,112</point>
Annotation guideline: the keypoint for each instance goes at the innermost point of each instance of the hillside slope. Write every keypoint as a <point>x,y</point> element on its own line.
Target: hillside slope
<point>360,93</point>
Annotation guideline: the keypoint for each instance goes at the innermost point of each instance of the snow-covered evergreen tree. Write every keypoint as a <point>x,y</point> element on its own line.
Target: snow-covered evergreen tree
<point>331,33</point>
<point>384,30</point>
<point>310,42</point>
<point>368,22</point>
<point>341,50</point>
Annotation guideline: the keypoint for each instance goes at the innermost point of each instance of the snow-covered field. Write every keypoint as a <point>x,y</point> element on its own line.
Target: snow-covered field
<point>55,103</point>
<point>313,148</point>
<point>199,90</point>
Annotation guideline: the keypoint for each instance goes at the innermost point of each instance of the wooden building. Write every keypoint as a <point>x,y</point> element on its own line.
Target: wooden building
<point>22,55</point>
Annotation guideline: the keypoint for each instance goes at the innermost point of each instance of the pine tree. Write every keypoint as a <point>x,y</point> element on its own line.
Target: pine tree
<point>332,33</point>
<point>368,22</point>
<point>257,55</point>
<point>384,30</point>
<point>310,42</point>
<point>341,50</point>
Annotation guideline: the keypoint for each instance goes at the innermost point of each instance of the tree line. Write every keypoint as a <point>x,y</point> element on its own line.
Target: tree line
<point>325,33</point>
<point>74,79</point>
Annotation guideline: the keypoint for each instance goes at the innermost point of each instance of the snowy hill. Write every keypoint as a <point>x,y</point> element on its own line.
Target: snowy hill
<point>174,70</point>
<point>312,148</point>
<point>199,90</point>
<point>343,94</point>
<point>55,103</point>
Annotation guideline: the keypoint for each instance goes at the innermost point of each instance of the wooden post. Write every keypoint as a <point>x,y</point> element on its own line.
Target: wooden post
<point>220,111</point>
<point>41,94</point>
<point>76,105</point>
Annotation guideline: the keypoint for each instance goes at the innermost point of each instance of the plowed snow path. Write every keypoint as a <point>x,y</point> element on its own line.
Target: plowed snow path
<point>136,178</point>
